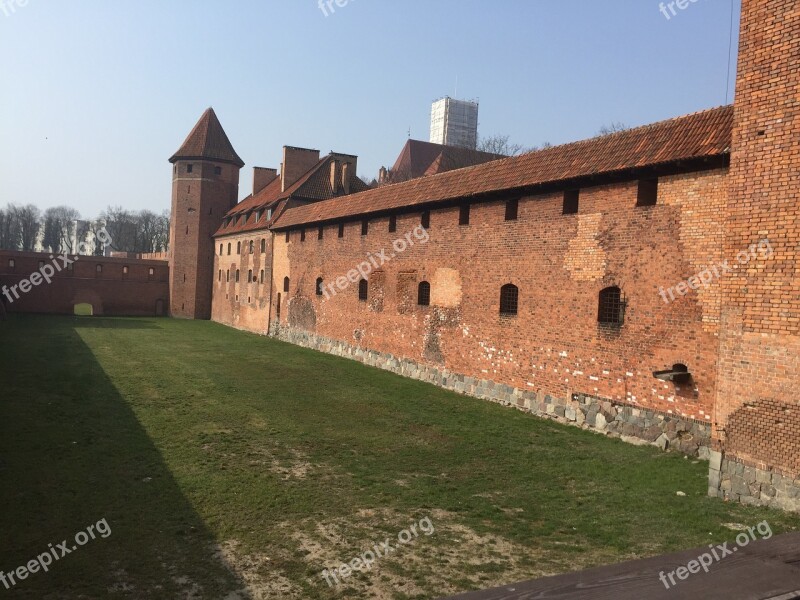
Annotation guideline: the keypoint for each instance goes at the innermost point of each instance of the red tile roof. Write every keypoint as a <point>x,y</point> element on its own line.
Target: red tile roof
<point>701,135</point>
<point>419,159</point>
<point>208,141</point>
<point>315,184</point>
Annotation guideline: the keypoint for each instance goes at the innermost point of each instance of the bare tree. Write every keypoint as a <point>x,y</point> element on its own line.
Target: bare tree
<point>614,127</point>
<point>500,144</point>
<point>59,229</point>
<point>29,222</point>
<point>9,230</point>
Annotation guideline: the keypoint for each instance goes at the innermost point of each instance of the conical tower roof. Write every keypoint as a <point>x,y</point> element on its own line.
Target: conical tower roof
<point>208,141</point>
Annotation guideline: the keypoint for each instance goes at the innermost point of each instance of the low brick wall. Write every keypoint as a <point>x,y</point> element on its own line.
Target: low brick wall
<point>738,481</point>
<point>631,424</point>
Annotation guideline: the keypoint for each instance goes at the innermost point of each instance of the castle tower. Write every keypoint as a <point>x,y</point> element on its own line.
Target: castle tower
<point>205,186</point>
<point>757,408</point>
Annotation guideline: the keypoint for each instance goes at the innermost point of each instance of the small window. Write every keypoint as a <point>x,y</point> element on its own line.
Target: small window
<point>509,299</point>
<point>302,235</point>
<point>463,214</point>
<point>648,192</point>
<point>341,230</point>
<point>252,246</point>
<point>425,219</point>
<point>424,293</point>
<point>320,232</point>
<point>263,246</point>
<point>99,268</point>
<point>392,223</point>
<point>237,275</point>
<point>269,213</point>
<point>124,270</point>
<point>238,247</point>
<point>611,311</point>
<point>11,263</point>
<point>319,286</point>
<point>258,216</point>
<point>285,284</point>
<point>250,276</point>
<point>217,170</point>
<point>364,227</point>
<point>571,200</point>
<point>363,290</point>
<point>151,272</point>
<point>189,168</point>
<point>220,249</point>
<point>512,209</point>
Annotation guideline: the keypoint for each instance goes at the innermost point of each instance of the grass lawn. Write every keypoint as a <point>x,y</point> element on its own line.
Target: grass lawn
<point>229,465</point>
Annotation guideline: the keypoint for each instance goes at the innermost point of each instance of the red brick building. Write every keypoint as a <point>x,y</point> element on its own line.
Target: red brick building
<point>642,283</point>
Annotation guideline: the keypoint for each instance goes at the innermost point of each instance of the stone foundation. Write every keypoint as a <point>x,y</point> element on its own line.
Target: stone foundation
<point>631,424</point>
<point>736,480</point>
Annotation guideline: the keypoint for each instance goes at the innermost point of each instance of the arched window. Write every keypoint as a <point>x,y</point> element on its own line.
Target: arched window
<point>319,286</point>
<point>252,246</point>
<point>611,309</point>
<point>262,276</point>
<point>220,275</point>
<point>285,284</point>
<point>238,247</point>
<point>250,276</point>
<point>424,293</point>
<point>363,290</point>
<point>237,275</point>
<point>228,275</point>
<point>229,248</point>
<point>509,299</point>
<point>220,249</point>
<point>263,246</point>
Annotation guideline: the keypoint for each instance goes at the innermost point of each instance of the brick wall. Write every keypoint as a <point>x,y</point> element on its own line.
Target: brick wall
<point>554,346</point>
<point>125,287</point>
<point>760,345</point>
<point>243,304</point>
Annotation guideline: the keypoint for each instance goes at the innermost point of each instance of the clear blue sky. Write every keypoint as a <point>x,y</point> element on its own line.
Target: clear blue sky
<point>96,95</point>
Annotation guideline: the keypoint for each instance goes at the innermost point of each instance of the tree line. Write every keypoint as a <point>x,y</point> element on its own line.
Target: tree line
<point>61,229</point>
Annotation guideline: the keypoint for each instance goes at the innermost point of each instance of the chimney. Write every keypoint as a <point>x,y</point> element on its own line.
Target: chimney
<point>383,176</point>
<point>334,176</point>
<point>346,178</point>
<point>296,163</point>
<point>262,177</point>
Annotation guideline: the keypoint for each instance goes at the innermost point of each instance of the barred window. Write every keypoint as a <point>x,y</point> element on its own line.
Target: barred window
<point>363,290</point>
<point>424,293</point>
<point>509,299</point>
<point>611,311</point>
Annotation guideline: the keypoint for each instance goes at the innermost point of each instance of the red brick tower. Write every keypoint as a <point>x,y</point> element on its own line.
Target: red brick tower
<point>757,409</point>
<point>205,186</point>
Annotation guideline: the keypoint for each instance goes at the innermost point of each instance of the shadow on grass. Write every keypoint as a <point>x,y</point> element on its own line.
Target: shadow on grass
<point>72,453</point>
